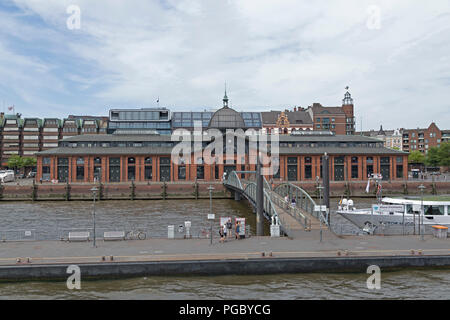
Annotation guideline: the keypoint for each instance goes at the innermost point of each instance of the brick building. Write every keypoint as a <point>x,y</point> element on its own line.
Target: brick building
<point>11,143</point>
<point>137,157</point>
<point>25,137</point>
<point>284,122</point>
<point>421,139</point>
<point>339,120</point>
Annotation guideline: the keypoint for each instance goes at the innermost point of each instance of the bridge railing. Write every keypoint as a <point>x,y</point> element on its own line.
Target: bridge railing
<point>248,187</point>
<point>303,201</point>
<point>292,211</point>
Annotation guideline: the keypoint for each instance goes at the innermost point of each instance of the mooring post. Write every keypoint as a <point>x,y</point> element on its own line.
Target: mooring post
<point>326,183</point>
<point>259,200</point>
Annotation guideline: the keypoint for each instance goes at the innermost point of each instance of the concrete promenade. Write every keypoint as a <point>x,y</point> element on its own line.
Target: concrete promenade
<point>49,259</point>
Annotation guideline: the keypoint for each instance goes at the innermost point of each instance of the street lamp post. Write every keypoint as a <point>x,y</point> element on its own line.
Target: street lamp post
<point>94,194</point>
<point>210,216</point>
<point>320,211</point>
<point>421,187</point>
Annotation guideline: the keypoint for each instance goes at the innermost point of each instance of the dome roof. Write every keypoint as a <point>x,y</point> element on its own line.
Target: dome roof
<point>226,118</point>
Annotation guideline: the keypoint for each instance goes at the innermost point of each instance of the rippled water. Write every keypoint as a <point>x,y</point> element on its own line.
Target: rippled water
<point>417,284</point>
<point>49,219</point>
<point>155,216</point>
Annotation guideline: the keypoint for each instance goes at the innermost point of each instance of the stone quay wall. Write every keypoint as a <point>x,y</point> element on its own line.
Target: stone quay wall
<point>199,190</point>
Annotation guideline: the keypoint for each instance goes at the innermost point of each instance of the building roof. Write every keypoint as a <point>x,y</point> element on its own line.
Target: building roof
<point>226,118</point>
<point>329,138</point>
<point>116,137</point>
<point>294,117</point>
<point>318,109</point>
<point>106,151</point>
<point>341,151</point>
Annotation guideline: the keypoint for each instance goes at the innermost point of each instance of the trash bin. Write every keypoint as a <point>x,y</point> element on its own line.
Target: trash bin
<point>440,232</point>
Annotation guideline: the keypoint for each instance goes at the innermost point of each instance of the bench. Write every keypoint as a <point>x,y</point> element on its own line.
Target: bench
<point>440,231</point>
<point>79,236</point>
<point>114,235</point>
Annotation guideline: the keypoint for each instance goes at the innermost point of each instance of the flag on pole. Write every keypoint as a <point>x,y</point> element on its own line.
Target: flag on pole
<point>368,185</point>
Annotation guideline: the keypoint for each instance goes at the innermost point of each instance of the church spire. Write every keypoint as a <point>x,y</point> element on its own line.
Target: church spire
<point>225,98</point>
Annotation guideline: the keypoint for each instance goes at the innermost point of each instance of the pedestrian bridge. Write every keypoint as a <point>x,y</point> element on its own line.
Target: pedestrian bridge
<point>294,220</point>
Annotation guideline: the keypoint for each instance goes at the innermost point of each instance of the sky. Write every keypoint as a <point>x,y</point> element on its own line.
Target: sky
<point>272,54</point>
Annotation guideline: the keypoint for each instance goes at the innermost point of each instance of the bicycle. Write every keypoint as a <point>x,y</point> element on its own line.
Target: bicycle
<point>135,235</point>
<point>204,233</point>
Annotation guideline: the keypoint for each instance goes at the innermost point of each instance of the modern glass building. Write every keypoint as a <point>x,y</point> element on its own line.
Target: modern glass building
<point>145,121</point>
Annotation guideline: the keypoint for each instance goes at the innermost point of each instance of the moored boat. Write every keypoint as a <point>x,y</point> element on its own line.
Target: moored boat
<point>399,215</point>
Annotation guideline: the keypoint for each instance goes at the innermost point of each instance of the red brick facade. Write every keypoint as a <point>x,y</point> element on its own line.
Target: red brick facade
<point>355,168</point>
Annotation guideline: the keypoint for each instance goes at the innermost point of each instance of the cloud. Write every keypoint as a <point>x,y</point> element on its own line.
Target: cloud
<point>271,54</point>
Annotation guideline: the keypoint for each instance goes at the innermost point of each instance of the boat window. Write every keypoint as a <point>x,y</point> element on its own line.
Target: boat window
<point>434,210</point>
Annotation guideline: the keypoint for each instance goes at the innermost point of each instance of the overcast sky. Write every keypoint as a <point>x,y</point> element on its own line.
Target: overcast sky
<point>273,54</point>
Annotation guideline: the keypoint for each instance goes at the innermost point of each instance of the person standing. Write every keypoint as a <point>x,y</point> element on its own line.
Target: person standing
<point>224,228</point>
<point>238,229</point>
<point>229,226</point>
<point>222,234</point>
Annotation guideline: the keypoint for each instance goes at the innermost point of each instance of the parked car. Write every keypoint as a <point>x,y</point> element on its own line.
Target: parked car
<point>6,176</point>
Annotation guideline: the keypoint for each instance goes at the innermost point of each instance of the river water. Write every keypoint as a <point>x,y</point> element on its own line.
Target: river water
<point>155,216</point>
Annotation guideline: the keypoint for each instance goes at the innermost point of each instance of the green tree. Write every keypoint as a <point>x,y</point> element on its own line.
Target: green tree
<point>433,158</point>
<point>15,162</point>
<point>28,163</point>
<point>416,157</point>
<point>444,154</point>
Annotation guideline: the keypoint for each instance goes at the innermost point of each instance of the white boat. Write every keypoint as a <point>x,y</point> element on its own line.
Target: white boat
<point>6,176</point>
<point>399,215</point>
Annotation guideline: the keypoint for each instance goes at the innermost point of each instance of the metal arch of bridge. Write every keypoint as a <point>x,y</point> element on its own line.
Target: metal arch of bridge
<point>302,199</point>
<point>247,188</point>
<point>274,202</point>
